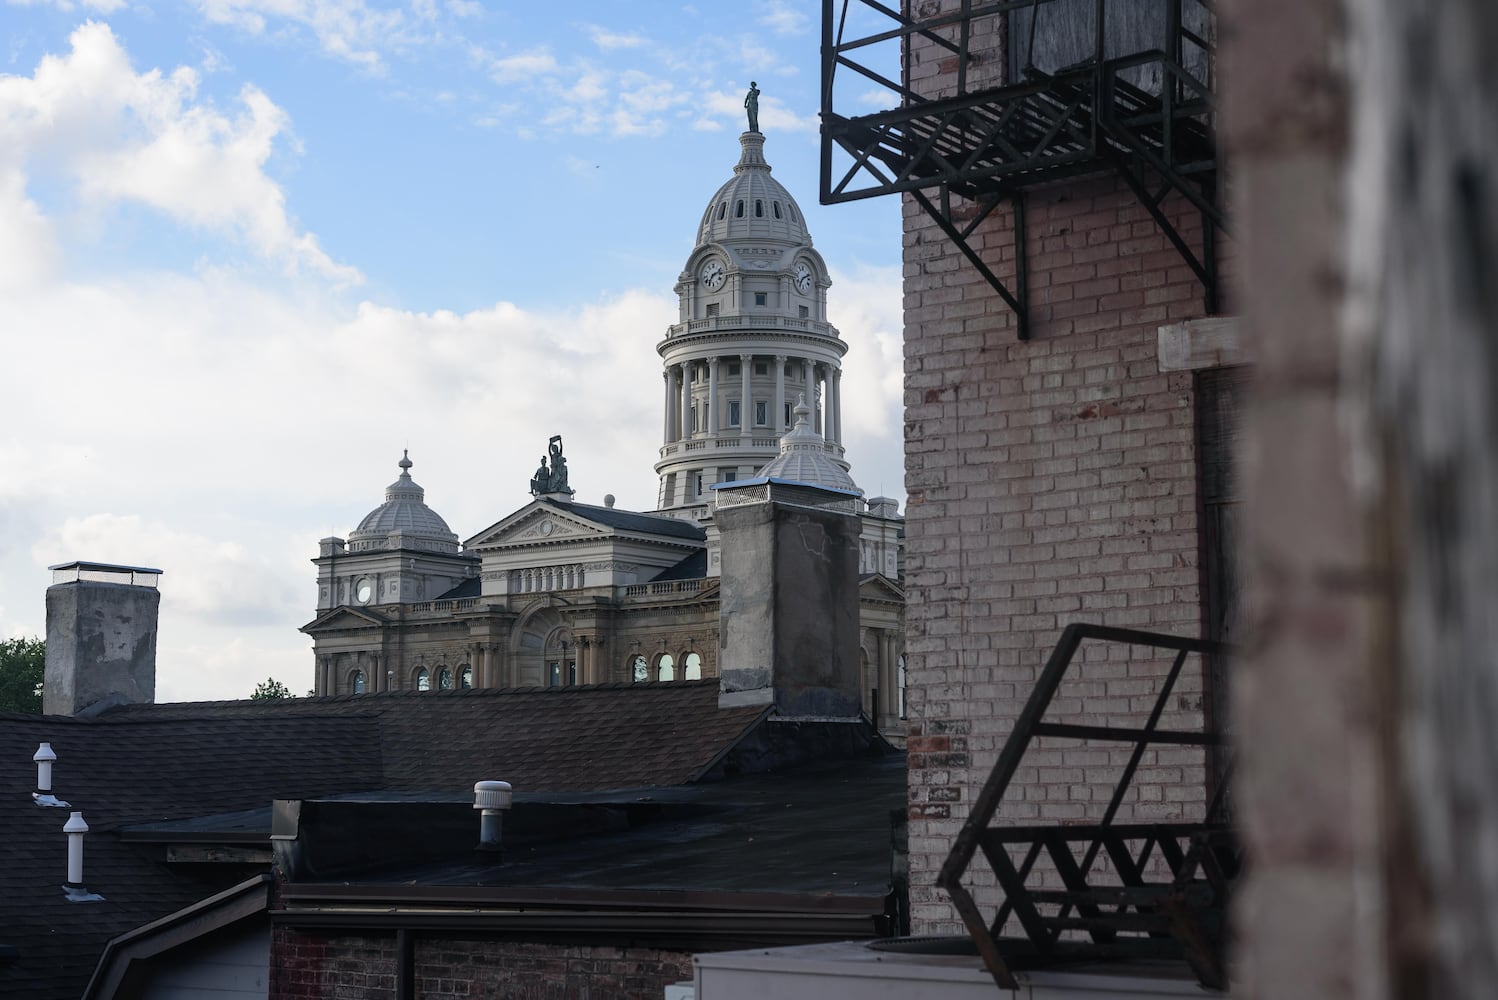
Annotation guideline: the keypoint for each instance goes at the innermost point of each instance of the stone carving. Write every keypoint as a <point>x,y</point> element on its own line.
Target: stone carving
<point>751,105</point>
<point>554,479</point>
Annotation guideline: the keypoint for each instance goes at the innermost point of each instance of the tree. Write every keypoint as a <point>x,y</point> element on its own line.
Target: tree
<point>270,689</point>
<point>23,665</point>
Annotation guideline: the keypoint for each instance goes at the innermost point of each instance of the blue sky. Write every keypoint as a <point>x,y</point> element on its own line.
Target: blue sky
<point>251,249</point>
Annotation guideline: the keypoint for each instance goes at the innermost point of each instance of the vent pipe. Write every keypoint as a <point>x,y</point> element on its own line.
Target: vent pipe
<point>45,757</point>
<point>74,889</point>
<point>492,798</point>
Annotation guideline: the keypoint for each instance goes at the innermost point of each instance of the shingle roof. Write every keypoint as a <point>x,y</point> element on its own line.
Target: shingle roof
<point>628,520</point>
<point>147,763</point>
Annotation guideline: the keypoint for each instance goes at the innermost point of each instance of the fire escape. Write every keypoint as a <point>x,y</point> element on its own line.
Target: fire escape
<point>1089,86</point>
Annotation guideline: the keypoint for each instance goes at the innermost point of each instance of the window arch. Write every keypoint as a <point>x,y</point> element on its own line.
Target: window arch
<point>776,206</point>
<point>639,669</point>
<point>759,208</point>
<point>691,668</point>
<point>445,679</point>
<point>423,679</point>
<point>723,210</point>
<point>465,676</point>
<point>358,683</point>
<point>738,209</point>
<point>665,668</point>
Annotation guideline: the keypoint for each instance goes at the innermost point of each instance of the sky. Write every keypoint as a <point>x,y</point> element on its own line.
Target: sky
<point>250,250</point>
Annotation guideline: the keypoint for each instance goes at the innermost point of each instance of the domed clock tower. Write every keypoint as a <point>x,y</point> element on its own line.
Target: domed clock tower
<point>752,338</point>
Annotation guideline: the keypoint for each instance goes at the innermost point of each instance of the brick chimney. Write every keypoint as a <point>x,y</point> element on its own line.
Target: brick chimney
<point>101,637</point>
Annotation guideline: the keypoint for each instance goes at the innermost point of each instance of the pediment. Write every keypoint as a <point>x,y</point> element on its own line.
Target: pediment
<point>343,618</point>
<point>878,587</point>
<point>537,523</point>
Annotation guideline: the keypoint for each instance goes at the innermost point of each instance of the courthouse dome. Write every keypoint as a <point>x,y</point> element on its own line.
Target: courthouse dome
<point>404,512</point>
<point>803,457</point>
<point>753,205</point>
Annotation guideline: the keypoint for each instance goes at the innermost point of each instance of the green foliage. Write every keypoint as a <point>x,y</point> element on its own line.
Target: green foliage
<point>270,689</point>
<point>23,664</point>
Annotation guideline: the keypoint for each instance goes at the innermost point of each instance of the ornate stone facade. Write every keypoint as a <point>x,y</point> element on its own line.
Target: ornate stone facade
<point>560,593</point>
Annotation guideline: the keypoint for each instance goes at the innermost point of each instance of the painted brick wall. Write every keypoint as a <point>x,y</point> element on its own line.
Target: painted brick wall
<point>1050,481</point>
<point>313,967</point>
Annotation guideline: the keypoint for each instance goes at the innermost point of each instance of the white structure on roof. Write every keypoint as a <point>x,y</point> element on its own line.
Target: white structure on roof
<point>751,336</point>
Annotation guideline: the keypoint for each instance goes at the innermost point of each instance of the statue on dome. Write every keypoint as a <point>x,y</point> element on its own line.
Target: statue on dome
<point>553,480</point>
<point>751,105</point>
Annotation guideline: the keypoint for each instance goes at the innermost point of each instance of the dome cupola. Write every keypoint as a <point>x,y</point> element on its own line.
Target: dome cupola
<point>804,458</point>
<point>752,205</point>
<point>403,521</point>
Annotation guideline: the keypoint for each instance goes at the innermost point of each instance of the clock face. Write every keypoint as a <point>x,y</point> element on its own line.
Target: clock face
<point>712,275</point>
<point>802,275</point>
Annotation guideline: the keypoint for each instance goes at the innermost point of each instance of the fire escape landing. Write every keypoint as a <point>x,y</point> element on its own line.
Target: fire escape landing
<point>1138,103</point>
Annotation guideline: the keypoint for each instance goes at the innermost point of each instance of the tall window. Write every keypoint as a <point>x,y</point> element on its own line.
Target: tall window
<point>360,685</point>
<point>639,669</point>
<point>423,679</point>
<point>787,414</point>
<point>445,679</point>
<point>733,413</point>
<point>665,668</point>
<point>761,412</point>
<point>900,677</point>
<point>465,677</point>
<point>692,668</point>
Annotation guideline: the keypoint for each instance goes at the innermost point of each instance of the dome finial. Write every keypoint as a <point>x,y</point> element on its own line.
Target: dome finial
<point>405,463</point>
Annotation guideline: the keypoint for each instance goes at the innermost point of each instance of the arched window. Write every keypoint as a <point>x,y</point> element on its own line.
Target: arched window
<point>359,684</point>
<point>900,674</point>
<point>665,668</point>
<point>776,206</point>
<point>639,669</point>
<point>738,210</point>
<point>691,668</point>
<point>759,209</point>
<point>723,210</point>
<point>423,679</point>
<point>465,677</point>
<point>445,679</point>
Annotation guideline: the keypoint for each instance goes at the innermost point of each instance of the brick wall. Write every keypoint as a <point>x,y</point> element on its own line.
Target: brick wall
<point>313,967</point>
<point>1050,481</point>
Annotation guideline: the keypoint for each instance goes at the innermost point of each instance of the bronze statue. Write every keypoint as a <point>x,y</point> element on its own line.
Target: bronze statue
<point>553,480</point>
<point>751,104</point>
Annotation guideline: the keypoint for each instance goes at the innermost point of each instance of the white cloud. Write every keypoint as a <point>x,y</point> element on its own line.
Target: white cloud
<point>609,40</point>
<point>523,66</point>
<point>346,29</point>
<point>773,115</point>
<point>782,17</point>
<point>123,136</point>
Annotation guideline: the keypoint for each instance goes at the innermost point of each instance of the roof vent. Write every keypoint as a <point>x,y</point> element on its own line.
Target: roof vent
<point>45,757</point>
<point>74,889</point>
<point>493,798</point>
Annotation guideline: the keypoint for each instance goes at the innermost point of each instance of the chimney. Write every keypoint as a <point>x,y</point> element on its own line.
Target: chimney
<point>788,618</point>
<point>101,637</point>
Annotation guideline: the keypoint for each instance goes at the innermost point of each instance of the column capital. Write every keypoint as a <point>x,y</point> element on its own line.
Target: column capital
<point>713,361</point>
<point>781,359</point>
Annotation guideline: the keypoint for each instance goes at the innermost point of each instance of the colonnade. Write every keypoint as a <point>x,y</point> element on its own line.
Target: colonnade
<point>826,417</point>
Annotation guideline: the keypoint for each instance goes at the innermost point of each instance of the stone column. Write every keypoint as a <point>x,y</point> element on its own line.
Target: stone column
<point>835,406</point>
<point>778,421</point>
<point>686,401</point>
<point>807,371</point>
<point>712,396</point>
<point>746,402</point>
<point>666,379</point>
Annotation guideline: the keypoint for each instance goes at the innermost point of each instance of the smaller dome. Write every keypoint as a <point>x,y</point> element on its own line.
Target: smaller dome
<point>404,513</point>
<point>752,205</point>
<point>803,457</point>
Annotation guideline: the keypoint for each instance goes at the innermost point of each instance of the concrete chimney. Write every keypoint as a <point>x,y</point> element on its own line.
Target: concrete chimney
<point>788,618</point>
<point>101,637</point>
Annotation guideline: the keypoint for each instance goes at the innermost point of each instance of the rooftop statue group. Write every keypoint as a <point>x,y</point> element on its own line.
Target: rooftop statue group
<point>554,479</point>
